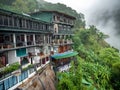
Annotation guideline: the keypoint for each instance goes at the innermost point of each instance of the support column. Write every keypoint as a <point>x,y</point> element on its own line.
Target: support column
<point>50,39</point>
<point>44,39</point>
<point>34,39</point>
<point>14,40</point>
<point>25,38</point>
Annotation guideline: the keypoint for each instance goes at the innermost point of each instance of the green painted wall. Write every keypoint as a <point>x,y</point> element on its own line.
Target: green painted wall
<point>44,16</point>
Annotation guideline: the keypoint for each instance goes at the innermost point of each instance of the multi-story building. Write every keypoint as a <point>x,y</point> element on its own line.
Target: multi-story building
<point>61,50</point>
<point>29,42</point>
<point>23,40</point>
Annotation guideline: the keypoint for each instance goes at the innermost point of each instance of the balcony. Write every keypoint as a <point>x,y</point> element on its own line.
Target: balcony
<point>64,32</point>
<point>64,22</point>
<point>61,42</point>
<point>19,44</point>
<point>39,42</point>
<point>6,46</point>
<point>6,71</point>
<point>30,43</point>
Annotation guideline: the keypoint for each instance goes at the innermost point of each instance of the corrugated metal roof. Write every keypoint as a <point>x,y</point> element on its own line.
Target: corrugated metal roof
<point>23,15</point>
<point>54,12</point>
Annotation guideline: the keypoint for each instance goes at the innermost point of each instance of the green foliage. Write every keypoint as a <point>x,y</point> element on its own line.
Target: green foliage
<point>109,56</point>
<point>19,6</point>
<point>72,80</point>
<point>65,83</point>
<point>115,78</point>
<point>97,74</point>
<point>100,64</point>
<point>7,2</point>
<point>11,68</point>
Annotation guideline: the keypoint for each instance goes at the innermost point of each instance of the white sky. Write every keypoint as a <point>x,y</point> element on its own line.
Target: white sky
<point>82,6</point>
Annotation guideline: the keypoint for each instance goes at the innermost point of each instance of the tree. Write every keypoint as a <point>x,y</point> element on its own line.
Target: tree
<point>109,56</point>
<point>20,6</point>
<point>115,77</point>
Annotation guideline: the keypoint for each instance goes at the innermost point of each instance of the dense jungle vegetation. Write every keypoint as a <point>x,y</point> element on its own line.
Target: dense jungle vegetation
<point>98,64</point>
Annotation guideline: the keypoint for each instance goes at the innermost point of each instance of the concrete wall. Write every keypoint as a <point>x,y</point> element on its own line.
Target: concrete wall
<point>31,49</point>
<point>12,58</point>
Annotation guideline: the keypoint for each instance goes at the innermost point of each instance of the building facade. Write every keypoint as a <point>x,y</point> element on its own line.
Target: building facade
<point>29,42</point>
<point>61,46</point>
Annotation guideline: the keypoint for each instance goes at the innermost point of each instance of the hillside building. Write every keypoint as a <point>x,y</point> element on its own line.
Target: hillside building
<point>33,41</point>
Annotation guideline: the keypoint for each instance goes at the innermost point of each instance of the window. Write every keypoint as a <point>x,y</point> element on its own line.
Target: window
<point>24,23</point>
<point>30,24</point>
<point>1,38</point>
<point>6,38</point>
<point>34,25</point>
<point>43,27</point>
<point>37,26</point>
<point>68,27</point>
<point>22,38</point>
<point>1,20</point>
<point>54,18</point>
<point>27,24</point>
<point>23,76</point>
<point>16,21</point>
<point>58,18</point>
<point>40,26</point>
<point>3,58</point>
<point>46,27</point>
<point>5,20</point>
<point>60,27</point>
<point>31,37</point>
<point>64,27</point>
<point>25,60</point>
<point>10,21</point>
<point>1,86</point>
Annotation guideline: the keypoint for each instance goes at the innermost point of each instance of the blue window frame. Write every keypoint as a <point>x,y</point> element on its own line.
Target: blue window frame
<point>10,82</point>
<point>23,76</point>
<point>1,86</point>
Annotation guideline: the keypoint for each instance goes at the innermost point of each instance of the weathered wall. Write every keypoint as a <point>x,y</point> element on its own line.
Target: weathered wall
<point>44,80</point>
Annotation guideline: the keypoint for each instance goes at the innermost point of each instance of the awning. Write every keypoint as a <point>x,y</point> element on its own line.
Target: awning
<point>21,52</point>
<point>64,55</point>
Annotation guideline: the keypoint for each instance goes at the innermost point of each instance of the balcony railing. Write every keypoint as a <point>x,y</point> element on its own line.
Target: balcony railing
<point>61,42</point>
<point>30,43</point>
<point>19,44</point>
<point>39,42</point>
<point>62,22</point>
<point>6,46</point>
<point>64,32</point>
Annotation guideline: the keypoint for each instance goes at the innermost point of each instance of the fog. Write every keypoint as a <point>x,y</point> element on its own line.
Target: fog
<point>105,15</point>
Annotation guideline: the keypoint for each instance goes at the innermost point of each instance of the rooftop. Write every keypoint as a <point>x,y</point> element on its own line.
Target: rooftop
<point>52,11</point>
<point>21,15</point>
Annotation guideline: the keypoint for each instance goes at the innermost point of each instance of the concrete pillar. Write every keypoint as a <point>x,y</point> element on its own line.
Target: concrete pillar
<point>25,38</point>
<point>14,40</point>
<point>34,39</point>
<point>44,39</point>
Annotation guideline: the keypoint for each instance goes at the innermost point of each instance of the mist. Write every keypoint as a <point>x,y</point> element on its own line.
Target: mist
<point>105,15</point>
